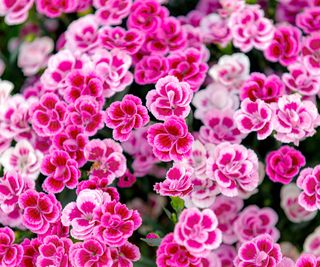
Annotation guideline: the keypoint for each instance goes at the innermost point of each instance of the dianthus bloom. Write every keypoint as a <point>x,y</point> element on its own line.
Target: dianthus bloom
<point>90,252</point>
<point>253,221</point>
<point>48,116</point>
<point>231,70</point>
<point>312,242</point>
<point>308,260</point>
<point>61,171</point>
<point>123,116</point>
<point>285,46</point>
<point>11,254</point>
<point>226,210</point>
<point>295,119</point>
<point>39,210</point>
<point>260,251</point>
<point>300,80</point>
<point>170,140</point>
<point>234,168</point>
<point>170,97</point>
<point>284,164</point>
<point>15,12</point>
<point>250,29</point>
<point>260,86</point>
<point>54,9</point>
<point>54,251</point>
<point>310,53</point>
<point>291,207</point>
<point>309,182</point>
<point>124,255</point>
<point>309,19</point>
<point>197,231</point>
<point>177,183</point>
<point>116,223</point>
<point>254,116</point>
<point>171,254</point>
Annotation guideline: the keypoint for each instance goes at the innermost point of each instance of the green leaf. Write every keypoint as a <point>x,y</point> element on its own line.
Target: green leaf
<point>152,242</point>
<point>177,204</point>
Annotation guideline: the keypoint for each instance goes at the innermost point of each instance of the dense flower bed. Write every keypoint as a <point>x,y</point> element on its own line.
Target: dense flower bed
<point>175,133</point>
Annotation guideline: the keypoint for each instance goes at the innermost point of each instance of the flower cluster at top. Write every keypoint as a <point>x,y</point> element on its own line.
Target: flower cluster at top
<point>123,106</point>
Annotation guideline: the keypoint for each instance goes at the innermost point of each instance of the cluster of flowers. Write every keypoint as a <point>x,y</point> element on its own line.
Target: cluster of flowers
<point>52,129</point>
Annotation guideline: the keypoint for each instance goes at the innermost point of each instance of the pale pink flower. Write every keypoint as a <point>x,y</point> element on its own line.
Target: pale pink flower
<point>215,97</point>
<point>226,209</point>
<point>228,7</point>
<point>309,182</point>
<point>15,12</point>
<point>312,243</point>
<point>79,214</point>
<point>203,194</point>
<point>253,221</point>
<point>295,119</point>
<point>34,56</point>
<point>231,70</point>
<point>197,231</point>
<point>234,168</point>
<point>220,126</point>
<point>300,80</point>
<point>170,98</point>
<point>215,30</point>
<point>254,116</point>
<point>250,29</point>
<point>177,182</point>
<point>226,254</point>
<point>82,35</point>
<point>23,158</point>
<point>170,140</point>
<point>291,207</point>
<point>260,251</point>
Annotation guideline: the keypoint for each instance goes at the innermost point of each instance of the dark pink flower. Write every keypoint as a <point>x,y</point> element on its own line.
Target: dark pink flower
<point>80,84</point>
<point>125,116</point>
<point>11,254</point>
<point>219,126</point>
<point>260,251</point>
<point>54,8</point>
<point>310,53</point>
<point>170,98</point>
<point>260,86</point>
<point>197,231</point>
<point>188,67</point>
<point>30,251</point>
<point>285,46</point>
<point>253,221</point>
<point>90,252</point>
<point>308,260</point>
<point>300,80</point>
<point>150,69</point>
<point>126,180</point>
<point>125,255</point>
<point>254,116</point>
<point>109,161</point>
<point>86,113</point>
<point>54,251</point>
<point>170,140</point>
<point>40,210</point>
<point>146,15</point>
<point>309,182</point>
<point>116,223</point>
<point>284,164</point>
<point>129,41</point>
<point>171,254</point>
<point>72,141</point>
<point>177,183</point>
<point>48,116</point>
<point>309,19</point>
<point>61,171</point>
<point>234,168</point>
<point>226,209</point>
